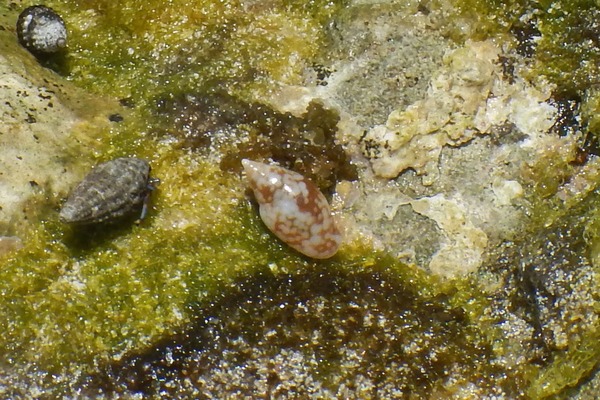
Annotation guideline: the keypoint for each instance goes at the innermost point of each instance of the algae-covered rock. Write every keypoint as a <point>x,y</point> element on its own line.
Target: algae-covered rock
<point>460,166</point>
<point>46,122</point>
<point>266,338</point>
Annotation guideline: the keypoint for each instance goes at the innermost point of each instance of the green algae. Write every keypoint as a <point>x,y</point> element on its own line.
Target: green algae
<point>272,321</point>
<point>567,52</point>
<point>104,291</point>
<point>101,292</point>
<point>564,235</point>
<point>589,111</point>
<point>567,55</point>
<point>76,295</point>
<point>109,288</point>
<point>86,291</point>
<point>568,368</point>
<point>143,48</point>
<point>564,203</point>
<point>481,19</point>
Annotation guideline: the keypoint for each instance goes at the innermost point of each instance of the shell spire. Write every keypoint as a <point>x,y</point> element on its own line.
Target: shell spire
<point>294,209</point>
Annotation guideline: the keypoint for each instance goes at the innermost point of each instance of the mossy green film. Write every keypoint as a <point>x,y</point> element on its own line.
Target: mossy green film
<point>142,279</point>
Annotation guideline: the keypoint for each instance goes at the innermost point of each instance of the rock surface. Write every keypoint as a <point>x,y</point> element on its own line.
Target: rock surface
<point>458,162</point>
<point>46,124</point>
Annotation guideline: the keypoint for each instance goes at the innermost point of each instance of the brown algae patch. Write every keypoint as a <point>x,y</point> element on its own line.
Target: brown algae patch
<point>264,335</point>
<point>227,130</point>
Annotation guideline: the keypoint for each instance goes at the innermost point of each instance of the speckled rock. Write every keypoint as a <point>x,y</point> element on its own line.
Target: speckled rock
<point>45,123</point>
<point>466,136</point>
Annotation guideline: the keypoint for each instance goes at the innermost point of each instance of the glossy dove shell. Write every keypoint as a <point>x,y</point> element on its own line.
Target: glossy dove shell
<point>113,189</point>
<point>294,209</point>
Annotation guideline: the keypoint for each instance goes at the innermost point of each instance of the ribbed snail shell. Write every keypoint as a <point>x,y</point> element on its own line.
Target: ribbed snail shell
<point>41,30</point>
<point>294,209</point>
<point>111,190</point>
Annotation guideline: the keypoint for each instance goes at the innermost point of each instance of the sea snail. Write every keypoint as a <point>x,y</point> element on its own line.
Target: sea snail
<point>294,209</point>
<point>41,30</point>
<point>111,190</point>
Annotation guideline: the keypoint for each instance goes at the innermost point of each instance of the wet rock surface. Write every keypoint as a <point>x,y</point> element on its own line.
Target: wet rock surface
<point>462,177</point>
<point>45,122</point>
<point>320,334</point>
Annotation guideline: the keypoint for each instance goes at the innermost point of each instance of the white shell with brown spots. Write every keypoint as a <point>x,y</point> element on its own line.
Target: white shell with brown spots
<point>294,209</point>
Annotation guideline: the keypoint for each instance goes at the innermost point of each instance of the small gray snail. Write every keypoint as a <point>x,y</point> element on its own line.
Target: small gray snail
<point>41,30</point>
<point>111,190</point>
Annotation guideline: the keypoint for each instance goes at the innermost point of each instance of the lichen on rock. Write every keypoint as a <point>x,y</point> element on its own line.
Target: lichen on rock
<point>463,250</point>
<point>465,98</point>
